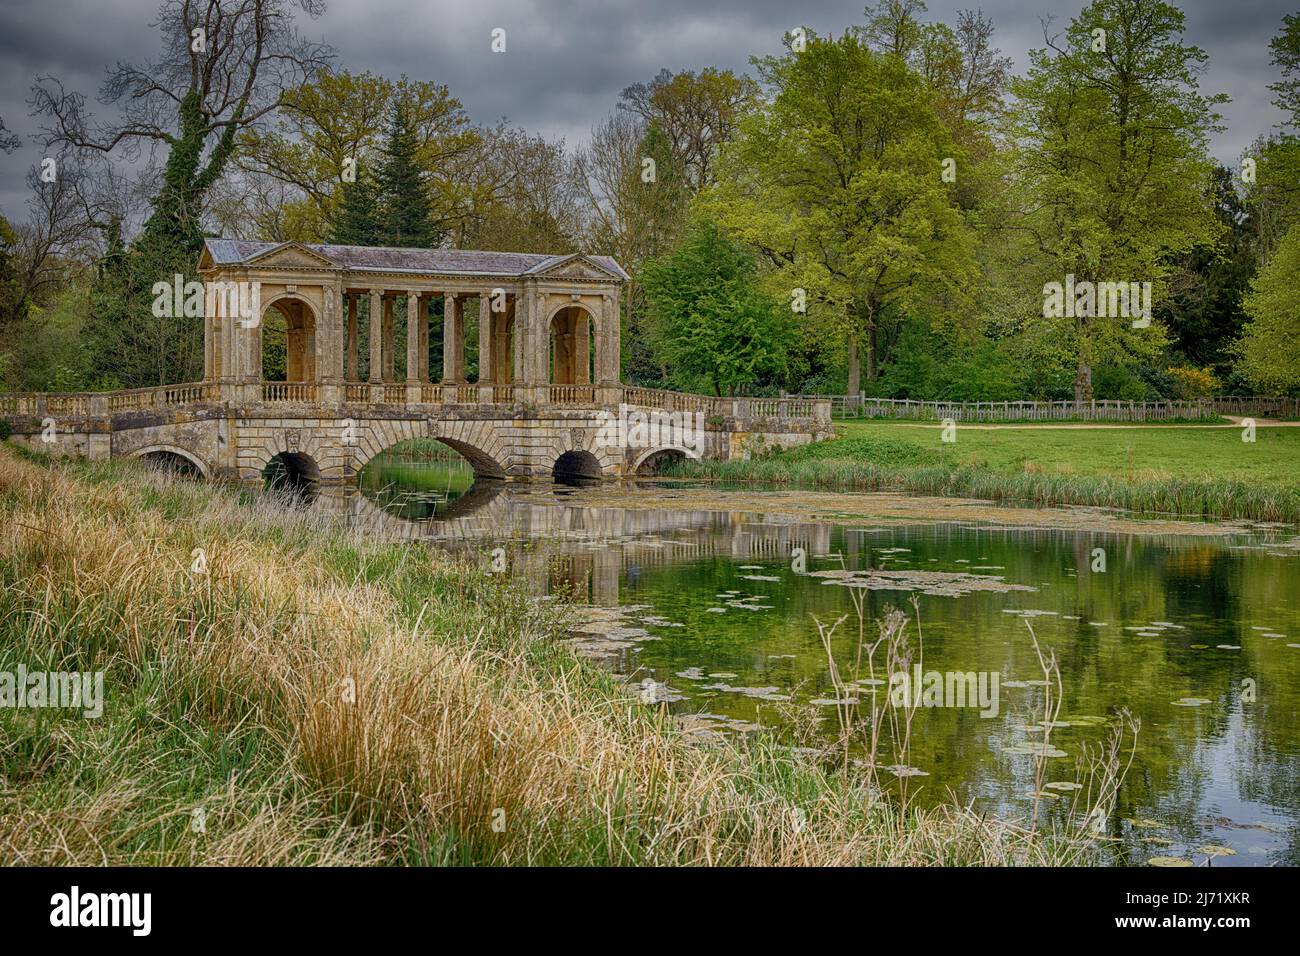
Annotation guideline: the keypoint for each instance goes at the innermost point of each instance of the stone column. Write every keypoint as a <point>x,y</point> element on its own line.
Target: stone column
<point>376,345</point>
<point>412,347</point>
<point>608,345</point>
<point>458,355</point>
<point>208,373</point>
<point>449,338</point>
<point>501,343</point>
<point>352,338</point>
<point>246,356</point>
<point>423,370</point>
<point>523,309</point>
<point>390,342</point>
<point>485,347</point>
<point>412,337</point>
<point>582,346</point>
<point>329,345</point>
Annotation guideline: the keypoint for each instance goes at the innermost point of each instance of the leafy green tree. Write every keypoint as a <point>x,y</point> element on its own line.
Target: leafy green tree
<point>1204,312</point>
<point>1111,152</point>
<point>340,117</point>
<point>1269,350</point>
<point>710,321</point>
<point>838,185</point>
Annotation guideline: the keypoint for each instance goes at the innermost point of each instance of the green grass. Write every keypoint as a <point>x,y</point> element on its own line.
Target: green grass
<point>323,697</point>
<point>1179,470</point>
<point>1139,452</point>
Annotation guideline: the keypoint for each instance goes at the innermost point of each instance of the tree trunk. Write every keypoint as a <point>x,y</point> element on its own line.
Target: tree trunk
<point>855,369</point>
<point>1083,382</point>
<point>873,368</point>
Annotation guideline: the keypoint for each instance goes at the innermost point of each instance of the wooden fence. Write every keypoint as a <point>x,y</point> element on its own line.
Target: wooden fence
<point>1102,410</point>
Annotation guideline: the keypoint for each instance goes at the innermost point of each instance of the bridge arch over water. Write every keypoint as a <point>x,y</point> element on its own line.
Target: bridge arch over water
<point>160,454</point>
<point>647,462</point>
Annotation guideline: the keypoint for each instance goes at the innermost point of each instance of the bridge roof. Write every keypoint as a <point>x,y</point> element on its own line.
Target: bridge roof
<point>389,259</point>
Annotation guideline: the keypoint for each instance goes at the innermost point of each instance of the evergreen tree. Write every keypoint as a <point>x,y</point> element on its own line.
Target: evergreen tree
<point>407,207</point>
<point>358,220</point>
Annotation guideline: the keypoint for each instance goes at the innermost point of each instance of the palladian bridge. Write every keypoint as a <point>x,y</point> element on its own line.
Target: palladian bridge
<point>315,377</point>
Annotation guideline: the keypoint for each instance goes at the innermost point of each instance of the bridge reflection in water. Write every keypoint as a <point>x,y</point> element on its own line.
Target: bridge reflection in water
<point>574,543</point>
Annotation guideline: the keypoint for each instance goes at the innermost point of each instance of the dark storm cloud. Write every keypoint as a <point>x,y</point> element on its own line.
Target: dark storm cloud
<point>567,60</point>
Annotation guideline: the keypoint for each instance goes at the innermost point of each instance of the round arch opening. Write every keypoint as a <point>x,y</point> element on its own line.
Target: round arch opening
<point>572,333</point>
<point>172,461</point>
<point>656,461</point>
<point>292,473</point>
<point>288,341</point>
<point>576,467</point>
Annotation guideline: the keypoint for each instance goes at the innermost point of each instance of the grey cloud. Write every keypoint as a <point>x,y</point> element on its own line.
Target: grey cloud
<point>567,60</point>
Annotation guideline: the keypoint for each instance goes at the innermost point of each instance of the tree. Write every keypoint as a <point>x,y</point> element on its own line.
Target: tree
<point>523,195</point>
<point>1110,133</point>
<point>1274,198</point>
<point>838,186</point>
<point>1269,350</point>
<point>708,318</point>
<point>336,122</point>
<point>636,205</point>
<point>407,217</point>
<point>1203,311</point>
<point>359,218</point>
<point>696,114</point>
<point>225,66</point>
<point>8,141</point>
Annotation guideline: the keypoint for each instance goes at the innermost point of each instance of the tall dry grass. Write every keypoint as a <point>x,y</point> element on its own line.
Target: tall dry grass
<point>312,697</point>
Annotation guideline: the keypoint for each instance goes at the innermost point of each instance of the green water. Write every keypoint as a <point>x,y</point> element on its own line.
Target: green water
<point>416,489</point>
<point>717,611</point>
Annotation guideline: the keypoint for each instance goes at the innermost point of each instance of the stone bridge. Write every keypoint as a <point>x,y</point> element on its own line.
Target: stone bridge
<point>301,363</point>
<point>570,433</point>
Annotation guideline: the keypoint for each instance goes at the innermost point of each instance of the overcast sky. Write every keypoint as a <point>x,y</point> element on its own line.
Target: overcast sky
<point>567,60</point>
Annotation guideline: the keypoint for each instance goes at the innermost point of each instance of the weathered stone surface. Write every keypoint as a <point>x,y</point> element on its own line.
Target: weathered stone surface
<point>237,443</point>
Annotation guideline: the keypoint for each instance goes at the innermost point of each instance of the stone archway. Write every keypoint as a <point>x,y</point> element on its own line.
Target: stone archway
<point>573,334</point>
<point>287,340</point>
<point>168,455</point>
<point>577,464</point>
<point>648,462</point>
<point>293,472</point>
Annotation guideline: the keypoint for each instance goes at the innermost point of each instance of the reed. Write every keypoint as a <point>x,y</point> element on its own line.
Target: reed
<point>309,696</point>
<point>1188,497</point>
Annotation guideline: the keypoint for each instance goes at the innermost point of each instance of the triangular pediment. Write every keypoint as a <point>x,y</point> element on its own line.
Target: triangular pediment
<point>291,255</point>
<point>575,266</point>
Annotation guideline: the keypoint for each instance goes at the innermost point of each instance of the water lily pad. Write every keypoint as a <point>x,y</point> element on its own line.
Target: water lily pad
<point>1190,702</point>
<point>1228,647</point>
<point>1033,749</point>
<point>898,770</point>
<point>1062,785</point>
<point>1216,850</point>
<point>1168,861</point>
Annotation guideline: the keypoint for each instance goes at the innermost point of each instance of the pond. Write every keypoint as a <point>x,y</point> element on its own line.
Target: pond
<point>717,605</point>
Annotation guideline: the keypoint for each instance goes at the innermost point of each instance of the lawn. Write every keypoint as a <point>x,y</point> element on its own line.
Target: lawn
<point>1189,470</point>
<point>1134,453</point>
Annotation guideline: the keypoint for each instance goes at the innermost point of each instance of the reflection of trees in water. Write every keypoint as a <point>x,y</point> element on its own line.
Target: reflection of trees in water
<point>1225,758</point>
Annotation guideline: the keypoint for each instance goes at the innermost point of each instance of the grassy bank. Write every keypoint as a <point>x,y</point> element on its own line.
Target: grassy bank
<point>310,697</point>
<point>1183,471</point>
